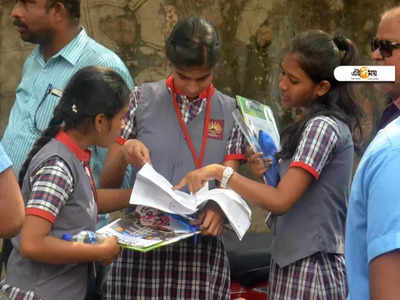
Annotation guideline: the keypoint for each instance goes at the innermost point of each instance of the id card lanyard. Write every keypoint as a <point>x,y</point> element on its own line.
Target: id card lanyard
<point>198,160</point>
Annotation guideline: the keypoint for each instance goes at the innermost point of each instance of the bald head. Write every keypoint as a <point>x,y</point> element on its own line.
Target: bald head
<point>393,13</point>
<point>389,30</point>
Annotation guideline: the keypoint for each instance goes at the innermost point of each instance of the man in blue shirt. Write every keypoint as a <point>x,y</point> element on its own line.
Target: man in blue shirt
<point>373,219</point>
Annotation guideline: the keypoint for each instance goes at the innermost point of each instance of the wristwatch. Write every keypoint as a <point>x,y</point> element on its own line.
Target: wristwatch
<point>226,175</point>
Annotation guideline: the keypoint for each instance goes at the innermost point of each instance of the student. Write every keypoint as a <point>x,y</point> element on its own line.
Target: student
<point>60,194</point>
<point>11,202</point>
<point>309,204</point>
<point>178,124</point>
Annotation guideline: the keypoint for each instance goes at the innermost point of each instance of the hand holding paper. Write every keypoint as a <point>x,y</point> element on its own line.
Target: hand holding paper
<point>153,190</point>
<point>136,153</point>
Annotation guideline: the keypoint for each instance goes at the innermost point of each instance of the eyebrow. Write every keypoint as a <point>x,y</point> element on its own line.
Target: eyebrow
<point>200,78</point>
<point>289,74</point>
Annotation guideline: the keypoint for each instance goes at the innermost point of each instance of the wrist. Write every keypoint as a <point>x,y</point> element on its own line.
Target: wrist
<point>227,173</point>
<point>218,172</point>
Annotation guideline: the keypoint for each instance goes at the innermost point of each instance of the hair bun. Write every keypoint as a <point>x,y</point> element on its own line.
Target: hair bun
<point>341,42</point>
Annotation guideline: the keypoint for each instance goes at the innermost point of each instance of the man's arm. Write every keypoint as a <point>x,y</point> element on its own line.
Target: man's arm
<point>11,204</point>
<point>384,275</point>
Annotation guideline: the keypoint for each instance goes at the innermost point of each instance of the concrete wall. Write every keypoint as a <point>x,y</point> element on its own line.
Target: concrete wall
<point>253,33</point>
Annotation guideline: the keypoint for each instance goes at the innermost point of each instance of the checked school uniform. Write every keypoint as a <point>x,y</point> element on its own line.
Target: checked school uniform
<point>58,187</point>
<point>308,245</point>
<point>184,270</point>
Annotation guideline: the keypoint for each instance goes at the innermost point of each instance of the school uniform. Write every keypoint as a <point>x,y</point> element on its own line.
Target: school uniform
<point>58,187</point>
<point>308,245</point>
<point>159,117</point>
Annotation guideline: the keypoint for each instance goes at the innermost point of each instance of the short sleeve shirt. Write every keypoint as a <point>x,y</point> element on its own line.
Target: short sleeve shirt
<point>318,140</point>
<point>235,148</point>
<point>373,219</point>
<point>52,185</point>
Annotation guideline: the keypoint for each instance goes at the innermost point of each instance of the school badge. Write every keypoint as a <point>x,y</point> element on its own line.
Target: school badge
<point>216,129</point>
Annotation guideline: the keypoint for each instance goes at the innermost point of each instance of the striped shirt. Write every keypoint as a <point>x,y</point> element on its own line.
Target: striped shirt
<point>5,162</point>
<point>39,92</point>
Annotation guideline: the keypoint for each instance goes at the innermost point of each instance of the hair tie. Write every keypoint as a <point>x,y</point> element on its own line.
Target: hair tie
<point>74,108</point>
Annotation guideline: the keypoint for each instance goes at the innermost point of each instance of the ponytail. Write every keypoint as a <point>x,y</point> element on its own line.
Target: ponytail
<point>318,56</point>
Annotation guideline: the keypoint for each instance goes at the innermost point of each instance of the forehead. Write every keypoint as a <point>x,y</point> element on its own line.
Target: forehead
<point>290,64</point>
<point>389,28</point>
<point>194,72</point>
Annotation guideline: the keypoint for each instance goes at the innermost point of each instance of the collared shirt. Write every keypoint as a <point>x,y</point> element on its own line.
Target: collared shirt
<point>39,92</point>
<point>390,113</point>
<point>58,191</point>
<point>373,218</point>
<point>235,148</point>
<point>5,162</point>
<point>52,182</point>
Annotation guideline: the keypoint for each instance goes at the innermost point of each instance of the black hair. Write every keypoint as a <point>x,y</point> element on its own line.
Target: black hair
<point>318,55</point>
<point>91,91</point>
<point>193,42</point>
<point>72,6</point>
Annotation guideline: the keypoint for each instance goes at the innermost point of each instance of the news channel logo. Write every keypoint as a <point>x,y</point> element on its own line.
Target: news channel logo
<point>365,73</point>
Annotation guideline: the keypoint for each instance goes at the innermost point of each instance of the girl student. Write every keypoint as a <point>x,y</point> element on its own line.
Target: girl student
<point>60,194</point>
<point>178,124</point>
<point>316,160</point>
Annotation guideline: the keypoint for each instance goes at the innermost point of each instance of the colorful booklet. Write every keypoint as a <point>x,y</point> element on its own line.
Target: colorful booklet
<point>256,117</point>
<point>257,123</point>
<point>143,234</point>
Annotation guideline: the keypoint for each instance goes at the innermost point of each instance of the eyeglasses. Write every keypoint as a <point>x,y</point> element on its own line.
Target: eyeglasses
<point>385,47</point>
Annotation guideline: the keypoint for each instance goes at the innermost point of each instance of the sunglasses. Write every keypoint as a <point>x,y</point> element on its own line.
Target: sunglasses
<point>385,47</point>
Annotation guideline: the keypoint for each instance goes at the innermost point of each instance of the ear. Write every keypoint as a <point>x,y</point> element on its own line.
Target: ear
<point>59,12</point>
<point>323,87</point>
<point>101,124</point>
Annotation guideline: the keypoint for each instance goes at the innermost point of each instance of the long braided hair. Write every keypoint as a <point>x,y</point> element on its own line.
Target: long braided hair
<point>91,91</point>
<point>319,54</point>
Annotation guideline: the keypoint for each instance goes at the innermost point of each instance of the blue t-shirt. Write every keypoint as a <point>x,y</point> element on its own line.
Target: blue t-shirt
<point>5,162</point>
<point>373,219</point>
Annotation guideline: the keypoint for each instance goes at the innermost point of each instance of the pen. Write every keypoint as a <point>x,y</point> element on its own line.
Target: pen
<point>186,224</point>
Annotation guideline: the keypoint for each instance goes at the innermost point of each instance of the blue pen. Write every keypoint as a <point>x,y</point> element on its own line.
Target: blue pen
<point>186,224</point>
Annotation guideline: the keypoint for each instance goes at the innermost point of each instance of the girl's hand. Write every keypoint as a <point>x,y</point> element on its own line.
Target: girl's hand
<point>257,164</point>
<point>197,178</point>
<point>136,153</point>
<point>109,250</point>
<point>211,219</point>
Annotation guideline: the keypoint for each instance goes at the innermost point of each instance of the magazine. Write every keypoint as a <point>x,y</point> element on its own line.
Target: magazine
<point>153,190</point>
<point>141,234</point>
<point>256,117</point>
